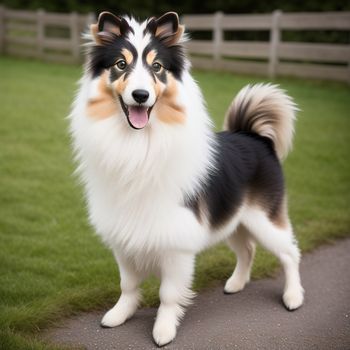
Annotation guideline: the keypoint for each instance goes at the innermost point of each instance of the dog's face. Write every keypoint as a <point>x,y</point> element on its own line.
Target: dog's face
<point>141,63</point>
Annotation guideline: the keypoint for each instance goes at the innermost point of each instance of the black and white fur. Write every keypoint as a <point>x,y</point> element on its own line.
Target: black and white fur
<point>160,184</point>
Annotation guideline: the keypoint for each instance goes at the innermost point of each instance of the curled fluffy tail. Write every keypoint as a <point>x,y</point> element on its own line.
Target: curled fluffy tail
<point>266,110</point>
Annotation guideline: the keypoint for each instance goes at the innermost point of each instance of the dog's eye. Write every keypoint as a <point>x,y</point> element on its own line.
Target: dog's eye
<point>156,67</point>
<point>121,64</point>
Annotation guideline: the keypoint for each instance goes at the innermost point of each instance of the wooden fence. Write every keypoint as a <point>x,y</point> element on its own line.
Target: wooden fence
<point>44,35</point>
<point>273,57</point>
<point>57,37</point>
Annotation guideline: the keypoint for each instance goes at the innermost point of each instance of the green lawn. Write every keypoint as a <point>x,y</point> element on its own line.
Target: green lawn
<point>51,263</point>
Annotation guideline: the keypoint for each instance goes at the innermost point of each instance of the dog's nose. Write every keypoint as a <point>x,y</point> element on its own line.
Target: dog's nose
<point>140,96</point>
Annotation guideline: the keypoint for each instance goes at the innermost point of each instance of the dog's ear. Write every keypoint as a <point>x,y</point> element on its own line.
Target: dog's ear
<point>107,26</point>
<point>166,28</point>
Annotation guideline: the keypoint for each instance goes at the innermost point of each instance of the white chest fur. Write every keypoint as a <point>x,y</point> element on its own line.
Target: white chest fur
<point>135,180</point>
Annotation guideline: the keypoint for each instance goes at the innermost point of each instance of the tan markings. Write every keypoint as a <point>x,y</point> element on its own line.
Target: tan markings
<point>158,88</point>
<point>160,31</point>
<point>163,30</point>
<point>167,108</point>
<point>119,85</point>
<point>278,216</point>
<point>151,56</point>
<point>169,38</point>
<point>94,31</point>
<point>281,219</point>
<point>112,28</point>
<point>103,105</point>
<point>128,55</point>
<point>177,36</point>
<point>101,38</point>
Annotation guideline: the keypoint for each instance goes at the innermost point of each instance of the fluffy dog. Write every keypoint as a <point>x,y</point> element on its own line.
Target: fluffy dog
<point>160,184</point>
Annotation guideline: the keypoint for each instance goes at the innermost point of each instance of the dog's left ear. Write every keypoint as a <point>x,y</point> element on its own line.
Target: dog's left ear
<point>166,28</point>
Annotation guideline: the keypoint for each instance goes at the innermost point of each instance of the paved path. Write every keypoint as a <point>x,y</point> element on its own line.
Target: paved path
<point>251,319</point>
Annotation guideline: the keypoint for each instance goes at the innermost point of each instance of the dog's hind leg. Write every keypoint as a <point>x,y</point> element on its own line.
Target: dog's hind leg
<point>175,294</point>
<point>243,246</point>
<point>280,241</point>
<point>129,298</point>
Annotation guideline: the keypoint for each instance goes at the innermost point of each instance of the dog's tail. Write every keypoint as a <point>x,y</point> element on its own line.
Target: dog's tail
<point>266,110</point>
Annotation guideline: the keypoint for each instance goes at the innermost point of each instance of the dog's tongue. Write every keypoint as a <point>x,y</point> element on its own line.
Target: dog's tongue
<point>138,116</point>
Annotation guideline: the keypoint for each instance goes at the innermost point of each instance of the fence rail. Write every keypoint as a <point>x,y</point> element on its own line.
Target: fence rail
<point>57,37</point>
<point>44,35</point>
<point>274,57</point>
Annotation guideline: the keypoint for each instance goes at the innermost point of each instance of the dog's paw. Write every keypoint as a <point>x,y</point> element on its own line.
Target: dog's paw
<point>164,333</point>
<point>234,285</point>
<point>113,318</point>
<point>293,298</point>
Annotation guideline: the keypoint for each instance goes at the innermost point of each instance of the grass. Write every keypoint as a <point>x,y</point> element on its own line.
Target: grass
<point>51,263</point>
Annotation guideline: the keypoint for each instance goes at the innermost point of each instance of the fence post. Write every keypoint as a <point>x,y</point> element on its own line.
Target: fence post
<point>217,36</point>
<point>274,42</point>
<point>74,35</point>
<point>2,29</point>
<point>90,18</point>
<point>40,27</point>
<point>349,71</point>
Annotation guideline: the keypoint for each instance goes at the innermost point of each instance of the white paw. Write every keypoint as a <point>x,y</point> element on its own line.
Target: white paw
<point>234,285</point>
<point>293,298</point>
<point>164,332</point>
<point>114,317</point>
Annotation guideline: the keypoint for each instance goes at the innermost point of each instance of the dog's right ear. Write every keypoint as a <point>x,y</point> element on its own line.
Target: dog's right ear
<point>166,28</point>
<point>106,25</point>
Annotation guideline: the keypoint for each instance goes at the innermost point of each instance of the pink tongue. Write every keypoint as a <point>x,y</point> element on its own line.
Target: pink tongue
<point>138,116</point>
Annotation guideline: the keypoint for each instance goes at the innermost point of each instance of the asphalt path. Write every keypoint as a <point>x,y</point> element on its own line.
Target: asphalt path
<point>252,319</point>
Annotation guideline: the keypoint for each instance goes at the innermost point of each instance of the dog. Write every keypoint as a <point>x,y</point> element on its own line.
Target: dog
<point>160,184</point>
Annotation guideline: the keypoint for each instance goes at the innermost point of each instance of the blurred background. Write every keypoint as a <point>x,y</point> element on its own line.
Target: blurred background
<point>144,8</point>
<point>301,38</point>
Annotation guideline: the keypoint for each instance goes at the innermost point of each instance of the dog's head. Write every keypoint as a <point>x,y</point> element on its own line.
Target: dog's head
<point>141,63</point>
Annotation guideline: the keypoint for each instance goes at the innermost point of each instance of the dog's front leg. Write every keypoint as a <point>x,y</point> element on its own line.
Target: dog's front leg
<point>127,304</point>
<point>175,294</point>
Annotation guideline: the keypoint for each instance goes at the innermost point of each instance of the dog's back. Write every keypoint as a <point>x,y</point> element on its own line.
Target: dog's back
<point>260,126</point>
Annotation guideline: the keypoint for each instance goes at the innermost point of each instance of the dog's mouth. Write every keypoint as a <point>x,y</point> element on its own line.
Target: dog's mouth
<point>137,116</point>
